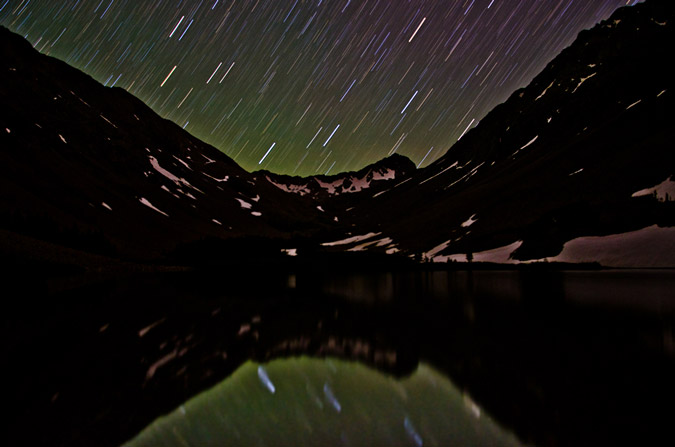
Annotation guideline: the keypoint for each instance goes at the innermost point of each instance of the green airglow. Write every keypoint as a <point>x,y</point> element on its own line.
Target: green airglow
<point>327,402</point>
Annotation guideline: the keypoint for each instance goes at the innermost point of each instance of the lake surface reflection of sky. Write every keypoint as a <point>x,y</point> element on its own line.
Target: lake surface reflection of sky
<point>558,358</point>
<point>304,401</point>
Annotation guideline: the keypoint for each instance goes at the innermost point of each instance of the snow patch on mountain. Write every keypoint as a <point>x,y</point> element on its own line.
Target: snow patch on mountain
<point>244,205</point>
<point>545,90</point>
<point>108,121</point>
<point>362,247</point>
<point>340,185</point>
<point>219,180</point>
<point>652,247</point>
<point>357,184</point>
<point>177,180</point>
<point>526,145</point>
<point>431,254</point>
<point>377,243</point>
<point>383,242</point>
<point>388,174</point>
<point>634,104</point>
<point>664,191</point>
<point>164,188</point>
<point>147,203</point>
<point>351,240</point>
<point>470,221</point>
<point>159,363</point>
<point>330,187</point>
<point>501,255</point>
<point>182,162</point>
<point>582,80</point>
<point>296,189</point>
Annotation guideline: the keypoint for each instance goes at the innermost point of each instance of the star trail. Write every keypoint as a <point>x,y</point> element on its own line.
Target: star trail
<point>305,87</point>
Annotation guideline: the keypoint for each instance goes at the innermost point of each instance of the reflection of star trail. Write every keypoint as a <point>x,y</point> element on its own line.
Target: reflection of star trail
<point>412,433</point>
<point>398,76</point>
<point>331,397</point>
<point>264,378</point>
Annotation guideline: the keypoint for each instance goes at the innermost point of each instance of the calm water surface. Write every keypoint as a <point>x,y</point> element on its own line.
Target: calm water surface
<point>406,358</point>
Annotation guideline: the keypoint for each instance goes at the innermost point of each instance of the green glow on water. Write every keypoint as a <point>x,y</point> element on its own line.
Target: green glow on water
<point>305,401</point>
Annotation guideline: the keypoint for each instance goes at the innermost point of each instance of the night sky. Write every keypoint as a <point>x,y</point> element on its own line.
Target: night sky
<point>311,86</point>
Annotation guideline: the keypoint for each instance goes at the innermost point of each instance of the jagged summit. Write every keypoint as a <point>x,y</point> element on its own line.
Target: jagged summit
<point>371,178</point>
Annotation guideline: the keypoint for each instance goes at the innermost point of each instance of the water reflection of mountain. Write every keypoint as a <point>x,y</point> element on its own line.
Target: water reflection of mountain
<point>93,366</point>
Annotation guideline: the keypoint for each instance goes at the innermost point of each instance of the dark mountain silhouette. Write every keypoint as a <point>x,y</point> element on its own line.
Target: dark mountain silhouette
<point>93,169</point>
<point>576,153</point>
<point>93,177</point>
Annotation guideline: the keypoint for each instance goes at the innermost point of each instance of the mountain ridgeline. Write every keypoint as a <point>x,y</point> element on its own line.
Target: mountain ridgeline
<point>576,167</point>
<point>584,150</point>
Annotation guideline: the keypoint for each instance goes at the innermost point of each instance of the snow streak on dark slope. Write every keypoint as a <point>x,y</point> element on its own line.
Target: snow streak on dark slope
<point>562,158</point>
<point>371,179</point>
<point>93,168</point>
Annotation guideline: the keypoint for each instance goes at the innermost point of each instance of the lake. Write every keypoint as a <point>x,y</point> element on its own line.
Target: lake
<point>529,357</point>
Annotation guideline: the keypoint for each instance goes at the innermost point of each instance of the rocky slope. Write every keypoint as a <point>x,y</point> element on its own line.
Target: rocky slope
<point>93,169</point>
<point>580,152</point>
